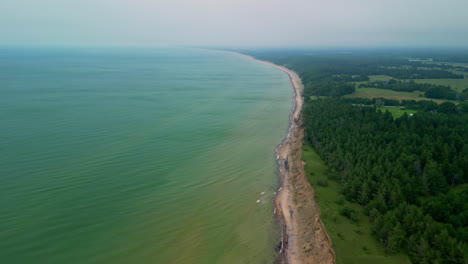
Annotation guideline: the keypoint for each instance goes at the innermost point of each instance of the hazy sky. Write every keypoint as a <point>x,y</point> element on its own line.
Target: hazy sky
<point>234,22</point>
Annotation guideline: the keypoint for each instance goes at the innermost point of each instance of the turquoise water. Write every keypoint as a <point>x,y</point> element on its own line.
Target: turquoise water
<point>138,156</point>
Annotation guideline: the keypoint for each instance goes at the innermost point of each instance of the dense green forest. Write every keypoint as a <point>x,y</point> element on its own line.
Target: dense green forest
<point>331,88</point>
<point>409,173</point>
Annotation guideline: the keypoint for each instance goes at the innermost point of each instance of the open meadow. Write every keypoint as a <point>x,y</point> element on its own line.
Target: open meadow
<point>396,111</point>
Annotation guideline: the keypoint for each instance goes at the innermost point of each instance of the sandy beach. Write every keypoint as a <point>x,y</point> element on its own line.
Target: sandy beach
<point>304,238</point>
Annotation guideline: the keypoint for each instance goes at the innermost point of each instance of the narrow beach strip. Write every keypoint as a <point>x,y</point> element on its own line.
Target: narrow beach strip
<point>304,238</point>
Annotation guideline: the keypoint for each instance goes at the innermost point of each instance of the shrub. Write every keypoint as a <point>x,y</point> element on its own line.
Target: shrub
<point>349,213</point>
<point>322,182</point>
<point>340,200</point>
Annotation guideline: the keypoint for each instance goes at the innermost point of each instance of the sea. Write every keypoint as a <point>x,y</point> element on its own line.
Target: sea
<point>139,155</point>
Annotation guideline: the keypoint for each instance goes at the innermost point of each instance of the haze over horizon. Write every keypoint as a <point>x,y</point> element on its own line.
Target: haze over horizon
<point>235,23</point>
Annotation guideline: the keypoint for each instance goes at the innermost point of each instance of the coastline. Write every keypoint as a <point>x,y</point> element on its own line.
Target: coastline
<point>304,238</point>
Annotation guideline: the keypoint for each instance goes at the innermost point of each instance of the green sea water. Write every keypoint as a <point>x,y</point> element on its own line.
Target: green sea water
<point>138,156</point>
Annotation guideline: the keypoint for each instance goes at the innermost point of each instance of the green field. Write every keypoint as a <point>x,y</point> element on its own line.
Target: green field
<point>457,84</point>
<point>396,111</point>
<point>352,241</point>
<point>374,78</point>
<point>375,92</point>
<point>389,94</point>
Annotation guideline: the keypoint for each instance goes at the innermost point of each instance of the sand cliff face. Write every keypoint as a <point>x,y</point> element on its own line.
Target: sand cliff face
<point>307,240</point>
<point>304,239</point>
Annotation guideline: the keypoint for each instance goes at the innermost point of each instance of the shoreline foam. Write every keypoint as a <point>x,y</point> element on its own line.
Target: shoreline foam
<point>304,238</point>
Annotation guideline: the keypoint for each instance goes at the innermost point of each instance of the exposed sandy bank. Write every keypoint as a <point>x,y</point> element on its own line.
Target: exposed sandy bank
<point>305,239</point>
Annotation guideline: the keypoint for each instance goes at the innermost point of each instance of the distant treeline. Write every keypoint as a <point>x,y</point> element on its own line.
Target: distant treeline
<point>318,66</point>
<point>410,174</point>
<point>422,105</point>
<point>446,66</point>
<point>452,57</point>
<point>320,69</point>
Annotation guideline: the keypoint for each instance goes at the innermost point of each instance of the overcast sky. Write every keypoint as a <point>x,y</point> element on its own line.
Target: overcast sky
<point>235,22</point>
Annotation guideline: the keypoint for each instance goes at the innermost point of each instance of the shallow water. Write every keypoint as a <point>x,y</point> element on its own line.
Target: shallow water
<point>138,156</point>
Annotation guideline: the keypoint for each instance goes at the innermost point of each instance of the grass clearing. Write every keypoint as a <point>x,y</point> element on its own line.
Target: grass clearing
<point>363,92</point>
<point>352,240</point>
<point>396,111</point>
<point>374,78</point>
<point>389,94</point>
